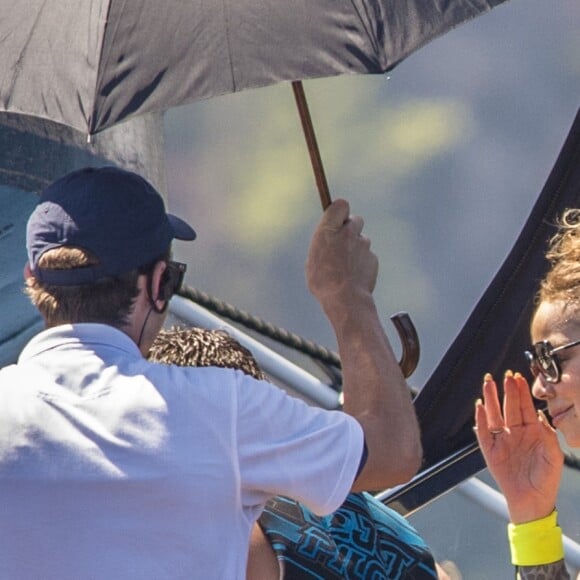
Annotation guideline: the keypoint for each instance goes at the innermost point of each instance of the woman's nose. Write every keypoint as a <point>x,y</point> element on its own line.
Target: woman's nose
<point>542,389</point>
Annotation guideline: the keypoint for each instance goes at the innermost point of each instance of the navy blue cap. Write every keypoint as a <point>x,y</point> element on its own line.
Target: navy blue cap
<point>113,213</point>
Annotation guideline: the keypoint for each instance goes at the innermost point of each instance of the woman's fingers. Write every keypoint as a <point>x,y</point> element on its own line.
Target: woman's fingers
<point>495,420</point>
<point>528,410</point>
<point>484,437</point>
<point>512,411</point>
<point>519,407</point>
<point>488,417</point>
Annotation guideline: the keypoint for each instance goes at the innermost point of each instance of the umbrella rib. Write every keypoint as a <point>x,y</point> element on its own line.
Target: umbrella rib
<point>364,23</point>
<point>101,57</point>
<point>16,69</point>
<point>229,47</point>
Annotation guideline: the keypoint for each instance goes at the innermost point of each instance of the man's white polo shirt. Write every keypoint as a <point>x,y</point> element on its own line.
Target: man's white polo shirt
<point>112,467</point>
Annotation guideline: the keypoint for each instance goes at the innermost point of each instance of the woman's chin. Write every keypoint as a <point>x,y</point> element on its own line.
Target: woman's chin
<point>572,438</point>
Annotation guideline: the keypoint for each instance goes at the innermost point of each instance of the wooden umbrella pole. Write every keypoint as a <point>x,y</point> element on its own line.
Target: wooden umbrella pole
<point>313,150</point>
<point>402,321</point>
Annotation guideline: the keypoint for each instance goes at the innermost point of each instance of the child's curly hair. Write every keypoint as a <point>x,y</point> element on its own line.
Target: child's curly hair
<point>562,282</point>
<point>199,347</point>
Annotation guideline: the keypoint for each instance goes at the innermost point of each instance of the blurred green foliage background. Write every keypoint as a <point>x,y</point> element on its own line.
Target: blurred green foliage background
<point>443,158</point>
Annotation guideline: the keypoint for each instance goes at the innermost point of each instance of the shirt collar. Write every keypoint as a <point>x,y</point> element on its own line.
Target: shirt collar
<point>85,334</point>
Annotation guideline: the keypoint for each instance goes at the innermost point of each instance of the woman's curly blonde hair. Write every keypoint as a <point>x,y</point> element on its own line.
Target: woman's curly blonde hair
<point>562,282</point>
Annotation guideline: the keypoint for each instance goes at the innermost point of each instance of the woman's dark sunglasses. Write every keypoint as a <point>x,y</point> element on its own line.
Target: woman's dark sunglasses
<point>543,360</point>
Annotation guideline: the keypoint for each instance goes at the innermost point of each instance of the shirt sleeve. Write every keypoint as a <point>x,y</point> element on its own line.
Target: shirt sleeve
<point>286,447</point>
<point>553,571</point>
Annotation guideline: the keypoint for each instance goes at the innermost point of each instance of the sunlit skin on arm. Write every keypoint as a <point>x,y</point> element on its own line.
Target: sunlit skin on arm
<point>262,562</point>
<point>341,272</point>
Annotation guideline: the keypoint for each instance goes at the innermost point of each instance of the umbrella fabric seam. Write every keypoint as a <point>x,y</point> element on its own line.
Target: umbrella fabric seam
<point>230,56</point>
<point>371,38</point>
<point>101,61</point>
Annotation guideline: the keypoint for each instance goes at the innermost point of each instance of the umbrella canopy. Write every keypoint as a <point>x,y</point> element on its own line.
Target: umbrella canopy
<point>90,65</point>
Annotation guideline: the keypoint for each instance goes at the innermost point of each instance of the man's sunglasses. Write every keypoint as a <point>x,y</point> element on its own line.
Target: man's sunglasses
<point>173,278</point>
<point>543,360</point>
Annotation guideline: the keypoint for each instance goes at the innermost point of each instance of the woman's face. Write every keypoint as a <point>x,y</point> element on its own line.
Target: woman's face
<point>560,325</point>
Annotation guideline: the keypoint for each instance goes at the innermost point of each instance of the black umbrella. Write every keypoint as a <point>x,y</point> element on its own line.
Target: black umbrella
<point>90,65</point>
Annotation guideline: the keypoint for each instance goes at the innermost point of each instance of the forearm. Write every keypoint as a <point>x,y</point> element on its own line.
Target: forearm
<point>376,393</point>
<point>341,272</point>
<point>554,571</point>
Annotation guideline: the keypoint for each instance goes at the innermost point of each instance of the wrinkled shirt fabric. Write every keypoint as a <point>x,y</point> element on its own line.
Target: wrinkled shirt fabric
<point>112,467</point>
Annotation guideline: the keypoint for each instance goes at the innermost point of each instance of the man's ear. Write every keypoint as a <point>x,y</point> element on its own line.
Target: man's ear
<point>158,291</point>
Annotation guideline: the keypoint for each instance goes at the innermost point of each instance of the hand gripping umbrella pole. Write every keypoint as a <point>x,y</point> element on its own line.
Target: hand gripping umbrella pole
<point>402,321</point>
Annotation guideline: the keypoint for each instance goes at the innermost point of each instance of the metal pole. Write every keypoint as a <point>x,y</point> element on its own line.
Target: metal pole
<point>494,502</point>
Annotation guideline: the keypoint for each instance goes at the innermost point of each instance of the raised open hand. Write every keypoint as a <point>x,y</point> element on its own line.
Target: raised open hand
<point>520,448</point>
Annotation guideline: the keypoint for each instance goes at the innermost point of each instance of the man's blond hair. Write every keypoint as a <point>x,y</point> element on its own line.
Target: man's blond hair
<point>108,301</point>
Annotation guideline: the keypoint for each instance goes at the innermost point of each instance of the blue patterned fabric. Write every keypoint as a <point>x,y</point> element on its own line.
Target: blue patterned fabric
<point>362,540</point>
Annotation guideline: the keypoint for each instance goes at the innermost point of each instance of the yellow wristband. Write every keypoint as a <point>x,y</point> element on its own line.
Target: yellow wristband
<point>537,542</point>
